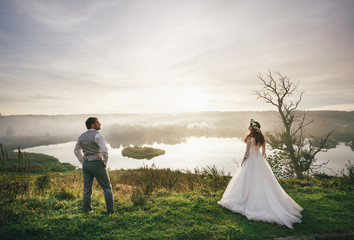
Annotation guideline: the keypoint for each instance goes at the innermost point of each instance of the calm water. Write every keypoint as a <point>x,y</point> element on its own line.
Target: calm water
<point>224,153</point>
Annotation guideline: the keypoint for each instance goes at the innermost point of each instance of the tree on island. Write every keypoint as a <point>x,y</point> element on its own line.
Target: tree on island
<point>296,151</point>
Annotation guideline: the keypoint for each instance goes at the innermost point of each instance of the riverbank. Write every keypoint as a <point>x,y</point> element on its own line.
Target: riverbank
<point>163,204</point>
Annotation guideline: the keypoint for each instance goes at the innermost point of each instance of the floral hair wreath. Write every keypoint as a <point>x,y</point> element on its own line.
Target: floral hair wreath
<point>254,125</point>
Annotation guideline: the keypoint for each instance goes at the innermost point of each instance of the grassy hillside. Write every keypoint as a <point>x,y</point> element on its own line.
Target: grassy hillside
<point>32,162</point>
<point>163,204</point>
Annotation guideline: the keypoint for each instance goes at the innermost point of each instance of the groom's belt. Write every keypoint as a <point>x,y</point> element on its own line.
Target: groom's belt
<point>91,158</point>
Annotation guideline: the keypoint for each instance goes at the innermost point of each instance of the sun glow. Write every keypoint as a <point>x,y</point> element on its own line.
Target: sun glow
<point>193,100</point>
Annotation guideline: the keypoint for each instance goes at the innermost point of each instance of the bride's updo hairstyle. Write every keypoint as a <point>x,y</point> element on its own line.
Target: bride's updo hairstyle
<point>256,133</point>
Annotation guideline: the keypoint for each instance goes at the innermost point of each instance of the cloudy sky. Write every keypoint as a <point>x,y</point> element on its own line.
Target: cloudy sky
<point>127,56</point>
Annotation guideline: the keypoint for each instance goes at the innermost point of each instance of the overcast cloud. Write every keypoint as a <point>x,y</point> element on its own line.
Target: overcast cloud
<point>69,57</point>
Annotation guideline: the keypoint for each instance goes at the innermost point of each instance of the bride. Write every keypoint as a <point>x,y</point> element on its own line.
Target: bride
<point>254,191</point>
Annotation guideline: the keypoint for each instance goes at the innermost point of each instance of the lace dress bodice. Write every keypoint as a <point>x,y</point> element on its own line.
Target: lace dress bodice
<point>252,148</point>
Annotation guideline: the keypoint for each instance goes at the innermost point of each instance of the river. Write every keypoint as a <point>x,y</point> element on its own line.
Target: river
<point>225,153</point>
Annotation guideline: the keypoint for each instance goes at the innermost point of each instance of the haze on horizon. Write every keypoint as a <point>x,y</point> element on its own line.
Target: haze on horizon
<point>78,57</point>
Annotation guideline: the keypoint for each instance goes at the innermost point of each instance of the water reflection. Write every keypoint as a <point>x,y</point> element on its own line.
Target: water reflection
<point>125,135</point>
<point>225,153</point>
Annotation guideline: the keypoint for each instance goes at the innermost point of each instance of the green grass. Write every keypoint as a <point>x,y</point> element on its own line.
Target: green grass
<point>168,213</point>
<point>38,163</point>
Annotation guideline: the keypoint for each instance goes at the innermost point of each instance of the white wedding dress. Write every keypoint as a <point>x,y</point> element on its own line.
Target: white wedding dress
<point>254,192</point>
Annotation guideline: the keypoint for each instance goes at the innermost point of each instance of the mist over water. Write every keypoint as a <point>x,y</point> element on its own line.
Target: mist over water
<point>225,153</point>
<point>189,139</point>
<point>136,129</point>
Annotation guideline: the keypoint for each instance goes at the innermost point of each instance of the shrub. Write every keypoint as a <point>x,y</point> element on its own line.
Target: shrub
<point>64,194</point>
<point>279,166</point>
<point>10,188</point>
<point>140,197</point>
<point>42,183</point>
<point>210,178</point>
<point>349,176</point>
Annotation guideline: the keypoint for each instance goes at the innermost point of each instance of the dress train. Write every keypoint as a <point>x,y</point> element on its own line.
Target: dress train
<point>254,192</point>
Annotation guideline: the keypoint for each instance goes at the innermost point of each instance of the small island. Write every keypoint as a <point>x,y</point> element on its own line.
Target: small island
<point>142,152</point>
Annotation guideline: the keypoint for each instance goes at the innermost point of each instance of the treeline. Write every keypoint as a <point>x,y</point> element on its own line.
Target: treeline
<point>137,129</point>
<point>13,142</point>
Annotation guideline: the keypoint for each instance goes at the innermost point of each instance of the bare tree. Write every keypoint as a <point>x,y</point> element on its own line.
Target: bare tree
<point>298,151</point>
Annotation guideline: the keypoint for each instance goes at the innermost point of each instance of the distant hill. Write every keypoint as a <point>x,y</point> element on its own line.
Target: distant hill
<point>125,129</point>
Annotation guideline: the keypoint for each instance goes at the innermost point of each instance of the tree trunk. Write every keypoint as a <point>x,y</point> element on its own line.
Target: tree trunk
<point>289,143</point>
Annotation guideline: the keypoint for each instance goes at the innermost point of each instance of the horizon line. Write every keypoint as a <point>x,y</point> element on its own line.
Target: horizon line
<point>167,113</point>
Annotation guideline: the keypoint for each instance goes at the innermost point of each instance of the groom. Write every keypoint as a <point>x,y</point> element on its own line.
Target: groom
<point>92,152</point>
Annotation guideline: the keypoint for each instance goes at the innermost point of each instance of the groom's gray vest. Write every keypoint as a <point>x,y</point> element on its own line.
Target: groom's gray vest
<point>90,148</point>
